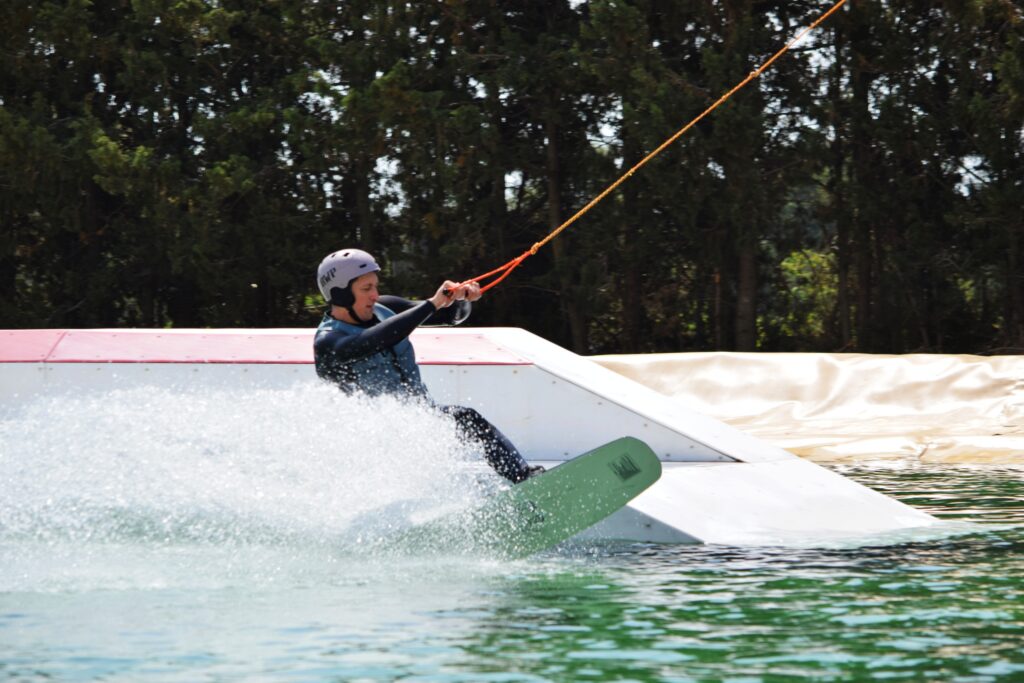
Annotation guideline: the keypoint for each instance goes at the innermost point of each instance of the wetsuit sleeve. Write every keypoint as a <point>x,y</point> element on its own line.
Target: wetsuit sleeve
<point>374,339</point>
<point>452,315</point>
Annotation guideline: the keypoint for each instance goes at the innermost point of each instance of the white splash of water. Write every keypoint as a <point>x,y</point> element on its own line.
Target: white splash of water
<point>306,465</point>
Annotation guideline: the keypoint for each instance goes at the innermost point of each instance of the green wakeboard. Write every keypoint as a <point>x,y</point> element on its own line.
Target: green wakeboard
<point>546,509</point>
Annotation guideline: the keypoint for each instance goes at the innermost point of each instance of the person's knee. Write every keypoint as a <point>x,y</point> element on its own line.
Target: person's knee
<point>469,414</point>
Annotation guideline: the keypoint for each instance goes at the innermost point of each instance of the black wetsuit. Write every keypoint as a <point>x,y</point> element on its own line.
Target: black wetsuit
<point>376,358</point>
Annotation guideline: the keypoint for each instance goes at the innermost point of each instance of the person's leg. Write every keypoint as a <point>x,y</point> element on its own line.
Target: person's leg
<point>498,450</point>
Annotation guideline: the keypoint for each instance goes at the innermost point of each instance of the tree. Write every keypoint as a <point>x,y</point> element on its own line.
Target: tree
<point>189,162</point>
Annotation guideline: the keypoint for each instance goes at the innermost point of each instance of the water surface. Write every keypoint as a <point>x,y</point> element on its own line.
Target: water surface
<point>170,536</point>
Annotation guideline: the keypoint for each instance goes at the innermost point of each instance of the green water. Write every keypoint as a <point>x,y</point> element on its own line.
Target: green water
<point>201,535</point>
<point>281,609</point>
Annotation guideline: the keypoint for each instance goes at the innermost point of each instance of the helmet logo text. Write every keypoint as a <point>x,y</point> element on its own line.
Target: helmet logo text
<point>327,277</point>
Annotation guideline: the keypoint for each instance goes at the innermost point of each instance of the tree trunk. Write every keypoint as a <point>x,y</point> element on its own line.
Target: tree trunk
<point>836,189</point>
<point>497,212</point>
<point>860,146</point>
<point>570,306</point>
<point>746,298</point>
<point>1014,287</point>
<point>630,282</point>
<point>364,212</point>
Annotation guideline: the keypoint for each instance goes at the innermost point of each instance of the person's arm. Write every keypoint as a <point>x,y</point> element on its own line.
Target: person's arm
<point>452,315</point>
<point>387,333</point>
<point>373,339</point>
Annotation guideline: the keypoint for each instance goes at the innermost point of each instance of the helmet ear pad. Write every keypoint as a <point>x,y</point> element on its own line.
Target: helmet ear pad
<point>343,296</point>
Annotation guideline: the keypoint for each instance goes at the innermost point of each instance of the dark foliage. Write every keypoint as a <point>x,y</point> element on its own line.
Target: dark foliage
<point>188,163</point>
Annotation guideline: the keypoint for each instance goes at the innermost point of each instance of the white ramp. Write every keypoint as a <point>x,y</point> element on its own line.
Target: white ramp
<point>719,485</point>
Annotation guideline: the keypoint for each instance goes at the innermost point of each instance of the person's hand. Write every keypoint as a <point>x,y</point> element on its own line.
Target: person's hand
<point>446,294</point>
<point>471,290</point>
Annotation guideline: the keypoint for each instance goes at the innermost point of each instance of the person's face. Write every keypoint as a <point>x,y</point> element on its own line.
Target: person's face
<point>365,289</point>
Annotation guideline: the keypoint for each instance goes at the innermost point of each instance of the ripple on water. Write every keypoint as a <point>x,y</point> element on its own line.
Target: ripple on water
<point>169,536</point>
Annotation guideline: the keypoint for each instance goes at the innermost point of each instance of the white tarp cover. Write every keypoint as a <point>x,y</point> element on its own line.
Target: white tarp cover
<point>831,407</point>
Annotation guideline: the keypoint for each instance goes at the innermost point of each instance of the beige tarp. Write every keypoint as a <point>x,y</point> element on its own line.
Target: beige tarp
<point>830,407</point>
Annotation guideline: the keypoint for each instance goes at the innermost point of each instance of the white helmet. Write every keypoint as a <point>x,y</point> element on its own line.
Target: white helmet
<point>338,270</point>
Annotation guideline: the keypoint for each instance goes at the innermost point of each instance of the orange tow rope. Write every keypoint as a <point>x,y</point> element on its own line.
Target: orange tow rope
<point>503,271</point>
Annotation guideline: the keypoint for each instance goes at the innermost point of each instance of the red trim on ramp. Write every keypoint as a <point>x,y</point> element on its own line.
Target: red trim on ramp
<point>28,346</point>
<point>433,347</point>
